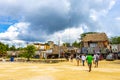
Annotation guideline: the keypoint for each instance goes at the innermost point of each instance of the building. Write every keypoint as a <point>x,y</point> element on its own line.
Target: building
<point>41,46</point>
<point>49,48</point>
<point>115,47</point>
<point>95,40</point>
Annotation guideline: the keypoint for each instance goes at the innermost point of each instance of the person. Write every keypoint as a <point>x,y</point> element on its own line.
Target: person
<point>77,59</point>
<point>96,59</point>
<point>67,57</point>
<point>71,57</point>
<point>3,59</point>
<point>83,58</point>
<point>89,59</point>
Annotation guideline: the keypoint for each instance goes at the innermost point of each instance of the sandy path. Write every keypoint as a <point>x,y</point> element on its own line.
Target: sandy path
<point>107,70</point>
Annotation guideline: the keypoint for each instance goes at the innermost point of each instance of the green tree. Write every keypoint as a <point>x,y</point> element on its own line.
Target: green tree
<point>76,44</point>
<point>115,40</point>
<point>3,49</point>
<point>66,44</point>
<point>22,52</point>
<point>12,48</point>
<point>20,48</point>
<point>7,47</point>
<point>29,52</point>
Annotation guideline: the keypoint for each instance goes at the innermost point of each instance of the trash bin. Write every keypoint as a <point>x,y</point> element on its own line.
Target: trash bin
<point>12,59</point>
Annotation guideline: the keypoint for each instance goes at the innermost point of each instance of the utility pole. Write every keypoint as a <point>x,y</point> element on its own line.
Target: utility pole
<point>59,46</point>
<point>19,46</point>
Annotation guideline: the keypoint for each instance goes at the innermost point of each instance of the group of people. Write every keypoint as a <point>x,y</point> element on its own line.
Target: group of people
<point>89,59</point>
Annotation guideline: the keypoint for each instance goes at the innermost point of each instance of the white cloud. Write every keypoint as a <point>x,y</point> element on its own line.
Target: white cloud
<point>111,4</point>
<point>50,19</point>
<point>67,35</point>
<point>93,15</point>
<point>117,18</point>
<point>14,30</point>
<point>16,43</point>
<point>11,35</point>
<point>104,12</point>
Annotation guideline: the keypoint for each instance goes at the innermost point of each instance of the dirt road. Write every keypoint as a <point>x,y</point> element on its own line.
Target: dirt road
<point>107,70</point>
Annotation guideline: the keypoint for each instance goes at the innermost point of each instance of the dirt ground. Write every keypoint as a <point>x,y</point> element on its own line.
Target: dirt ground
<point>107,70</point>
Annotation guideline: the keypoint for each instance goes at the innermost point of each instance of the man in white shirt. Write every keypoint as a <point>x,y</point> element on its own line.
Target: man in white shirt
<point>83,58</point>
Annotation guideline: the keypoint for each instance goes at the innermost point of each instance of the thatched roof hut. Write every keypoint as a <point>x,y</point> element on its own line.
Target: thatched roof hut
<point>96,39</point>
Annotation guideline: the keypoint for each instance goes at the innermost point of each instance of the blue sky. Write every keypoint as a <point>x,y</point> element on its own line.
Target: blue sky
<point>6,22</point>
<point>24,21</point>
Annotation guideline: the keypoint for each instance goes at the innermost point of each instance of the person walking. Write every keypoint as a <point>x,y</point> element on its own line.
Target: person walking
<point>89,59</point>
<point>71,57</point>
<point>78,59</point>
<point>96,59</point>
<point>83,58</point>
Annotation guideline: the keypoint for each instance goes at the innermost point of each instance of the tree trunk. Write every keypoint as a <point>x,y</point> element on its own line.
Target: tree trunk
<point>28,59</point>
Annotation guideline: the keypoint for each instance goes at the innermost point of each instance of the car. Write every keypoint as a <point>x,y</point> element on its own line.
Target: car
<point>110,57</point>
<point>119,55</point>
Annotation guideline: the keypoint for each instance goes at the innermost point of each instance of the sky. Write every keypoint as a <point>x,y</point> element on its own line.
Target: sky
<point>25,21</point>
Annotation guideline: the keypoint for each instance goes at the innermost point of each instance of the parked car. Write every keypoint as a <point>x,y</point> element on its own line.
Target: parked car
<point>110,57</point>
<point>119,55</point>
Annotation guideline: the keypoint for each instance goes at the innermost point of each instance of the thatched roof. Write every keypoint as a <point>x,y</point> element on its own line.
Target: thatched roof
<point>95,37</point>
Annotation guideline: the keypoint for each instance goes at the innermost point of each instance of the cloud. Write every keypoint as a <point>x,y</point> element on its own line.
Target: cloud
<point>67,35</point>
<point>117,18</point>
<point>45,19</point>
<point>93,15</point>
<point>14,30</point>
<point>112,3</point>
